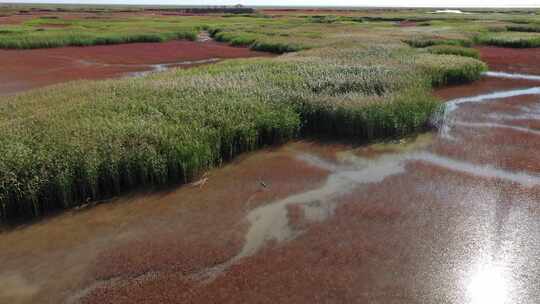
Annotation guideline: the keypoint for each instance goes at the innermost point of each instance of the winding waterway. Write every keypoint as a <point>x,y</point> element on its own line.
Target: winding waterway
<point>451,216</point>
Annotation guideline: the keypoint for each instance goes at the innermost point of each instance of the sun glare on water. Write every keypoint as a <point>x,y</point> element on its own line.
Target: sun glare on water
<point>488,285</point>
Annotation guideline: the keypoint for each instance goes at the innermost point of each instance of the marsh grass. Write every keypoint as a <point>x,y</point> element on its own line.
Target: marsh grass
<point>425,42</point>
<point>66,145</point>
<point>524,28</point>
<point>510,39</point>
<point>454,50</point>
<point>265,43</point>
<point>52,39</point>
<point>37,33</point>
<point>49,33</point>
<point>449,69</point>
<point>129,134</point>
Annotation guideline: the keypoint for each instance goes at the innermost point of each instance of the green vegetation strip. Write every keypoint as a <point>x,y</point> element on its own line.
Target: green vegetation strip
<point>524,28</point>
<point>454,50</point>
<point>510,39</point>
<point>425,42</point>
<point>69,144</point>
<point>49,33</point>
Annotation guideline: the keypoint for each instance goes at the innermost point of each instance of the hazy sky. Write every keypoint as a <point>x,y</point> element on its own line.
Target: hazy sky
<point>423,3</point>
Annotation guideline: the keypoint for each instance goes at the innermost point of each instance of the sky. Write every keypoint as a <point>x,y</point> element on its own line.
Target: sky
<point>347,3</point>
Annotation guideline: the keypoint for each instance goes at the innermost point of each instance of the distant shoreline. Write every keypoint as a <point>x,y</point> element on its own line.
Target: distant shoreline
<point>290,7</point>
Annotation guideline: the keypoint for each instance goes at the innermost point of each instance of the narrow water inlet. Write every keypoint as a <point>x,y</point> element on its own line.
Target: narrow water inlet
<point>151,68</point>
<point>446,122</point>
<point>524,113</point>
<point>154,68</point>
<point>452,105</point>
<point>496,125</point>
<point>511,75</point>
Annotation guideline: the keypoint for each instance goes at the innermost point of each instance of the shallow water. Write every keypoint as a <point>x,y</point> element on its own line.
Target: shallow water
<point>444,217</point>
<point>149,68</point>
<point>449,11</point>
<point>512,75</point>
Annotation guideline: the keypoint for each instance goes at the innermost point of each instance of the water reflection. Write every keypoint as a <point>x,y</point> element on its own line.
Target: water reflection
<point>491,276</point>
<point>489,284</point>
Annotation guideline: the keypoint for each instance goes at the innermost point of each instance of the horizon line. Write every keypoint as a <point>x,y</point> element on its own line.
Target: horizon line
<point>112,3</point>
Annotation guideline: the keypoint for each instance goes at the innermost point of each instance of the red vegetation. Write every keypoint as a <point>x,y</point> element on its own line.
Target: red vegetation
<point>28,69</point>
<point>511,60</point>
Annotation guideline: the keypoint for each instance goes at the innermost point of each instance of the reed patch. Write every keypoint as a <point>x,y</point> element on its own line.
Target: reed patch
<point>69,144</point>
<point>454,50</point>
<point>510,39</point>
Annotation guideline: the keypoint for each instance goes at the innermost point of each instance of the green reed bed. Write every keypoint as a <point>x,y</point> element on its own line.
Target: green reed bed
<point>49,33</point>
<point>70,144</point>
<point>425,42</point>
<point>85,141</point>
<point>257,31</point>
<point>449,69</point>
<point>365,118</point>
<point>39,40</point>
<point>510,39</point>
<point>125,134</point>
<point>454,50</point>
<point>256,41</point>
<point>533,28</point>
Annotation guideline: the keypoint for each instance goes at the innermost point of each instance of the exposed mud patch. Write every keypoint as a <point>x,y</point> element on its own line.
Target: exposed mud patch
<point>16,289</point>
<point>407,23</point>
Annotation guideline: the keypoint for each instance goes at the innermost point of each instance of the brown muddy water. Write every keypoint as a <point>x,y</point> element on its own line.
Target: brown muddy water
<point>446,217</point>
